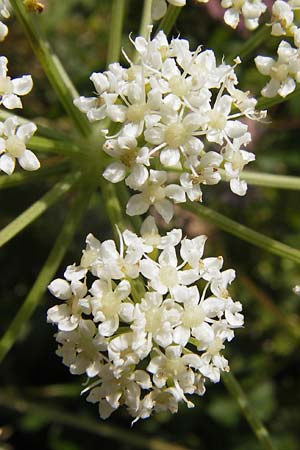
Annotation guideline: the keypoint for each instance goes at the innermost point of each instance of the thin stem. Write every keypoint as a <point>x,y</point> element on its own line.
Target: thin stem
<point>260,431</point>
<point>112,206</point>
<point>81,422</point>
<point>249,45</point>
<point>169,19</point>
<point>115,33</point>
<point>291,324</point>
<point>146,18</point>
<point>52,67</point>
<point>38,208</point>
<point>67,148</point>
<point>266,103</point>
<point>21,178</point>
<point>270,180</point>
<point>50,267</point>
<point>245,233</point>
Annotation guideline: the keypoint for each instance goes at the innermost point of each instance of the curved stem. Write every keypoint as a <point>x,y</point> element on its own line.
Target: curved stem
<point>146,18</point>
<point>169,19</point>
<point>67,148</point>
<point>115,33</point>
<point>272,181</point>
<point>28,177</point>
<point>50,267</point>
<point>245,233</point>
<point>265,103</point>
<point>248,46</point>
<point>260,431</point>
<point>38,208</point>
<point>83,423</point>
<point>52,67</point>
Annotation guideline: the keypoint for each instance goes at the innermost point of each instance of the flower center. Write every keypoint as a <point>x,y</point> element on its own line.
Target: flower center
<point>193,317</point>
<point>6,86</point>
<point>136,113</point>
<point>215,346</point>
<point>168,276</point>
<point>129,157</point>
<point>110,304</point>
<point>217,120</point>
<point>178,85</point>
<point>15,147</point>
<point>175,135</point>
<point>279,72</point>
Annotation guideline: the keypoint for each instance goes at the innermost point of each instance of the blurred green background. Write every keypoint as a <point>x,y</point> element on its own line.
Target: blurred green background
<point>43,408</point>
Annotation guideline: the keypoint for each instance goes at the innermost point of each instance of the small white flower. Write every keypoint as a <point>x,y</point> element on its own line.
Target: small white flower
<point>284,72</point>
<point>251,10</point>
<point>146,345</point>
<point>10,90</point>
<point>13,139</point>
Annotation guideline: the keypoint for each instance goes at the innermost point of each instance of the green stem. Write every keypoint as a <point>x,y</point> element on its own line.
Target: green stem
<point>245,233</point>
<point>112,206</point>
<point>21,178</point>
<point>115,33</point>
<point>169,19</point>
<point>235,389</point>
<point>67,148</point>
<point>84,423</point>
<point>38,208</point>
<point>52,67</point>
<point>146,18</point>
<point>50,267</point>
<point>272,181</point>
<point>266,103</point>
<point>252,43</point>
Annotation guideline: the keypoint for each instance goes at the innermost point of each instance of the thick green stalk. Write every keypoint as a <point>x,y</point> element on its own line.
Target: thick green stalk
<point>28,177</point>
<point>272,181</point>
<point>50,267</point>
<point>52,67</point>
<point>265,103</point>
<point>115,33</point>
<point>260,431</point>
<point>112,206</point>
<point>38,208</point>
<point>249,45</point>
<point>146,18</point>
<point>67,148</point>
<point>169,19</point>
<point>83,423</point>
<point>245,233</point>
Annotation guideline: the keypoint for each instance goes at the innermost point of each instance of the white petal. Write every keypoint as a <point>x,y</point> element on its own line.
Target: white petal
<point>115,172</point>
<point>26,131</point>
<point>22,85</point>
<point>7,164</point>
<point>11,101</point>
<point>137,205</point>
<point>29,161</point>
<point>60,288</point>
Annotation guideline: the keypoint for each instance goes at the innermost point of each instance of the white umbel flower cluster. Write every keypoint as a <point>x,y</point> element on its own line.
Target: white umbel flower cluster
<point>4,12</point>
<point>146,323</point>
<point>284,72</point>
<point>168,108</point>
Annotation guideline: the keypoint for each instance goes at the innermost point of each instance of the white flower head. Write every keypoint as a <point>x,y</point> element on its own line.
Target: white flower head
<point>13,139</point>
<point>168,107</point>
<point>148,338</point>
